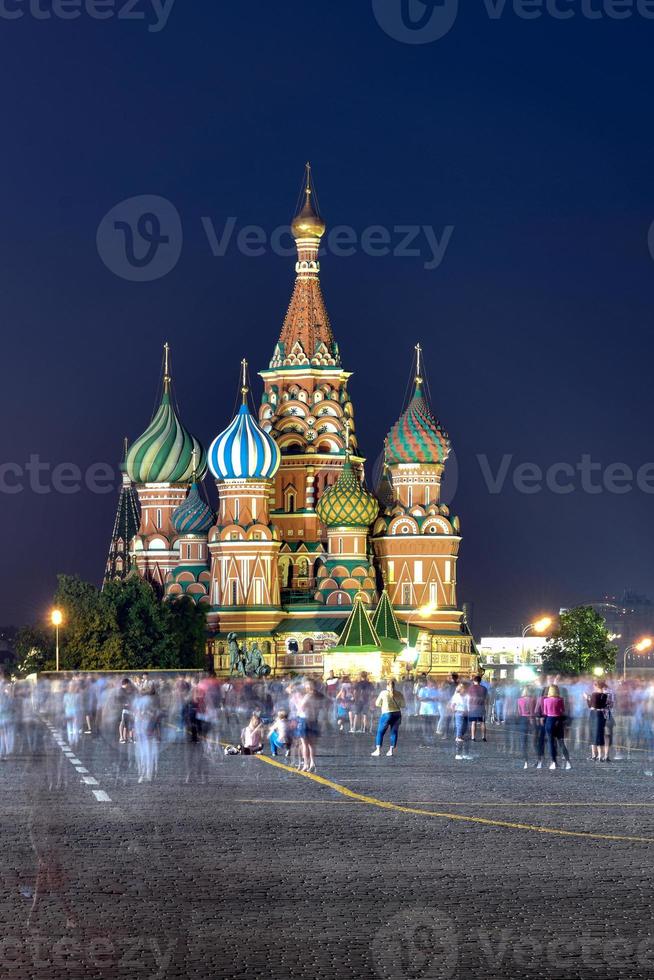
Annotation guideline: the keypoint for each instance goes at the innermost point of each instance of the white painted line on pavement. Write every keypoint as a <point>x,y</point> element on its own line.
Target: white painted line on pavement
<point>81,769</point>
<point>90,781</point>
<point>101,796</point>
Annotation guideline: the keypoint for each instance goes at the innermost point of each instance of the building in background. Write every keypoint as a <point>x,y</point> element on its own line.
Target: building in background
<point>500,656</point>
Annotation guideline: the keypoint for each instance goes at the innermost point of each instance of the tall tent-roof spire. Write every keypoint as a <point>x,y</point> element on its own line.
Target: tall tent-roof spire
<point>306,337</point>
<point>384,619</point>
<point>358,632</point>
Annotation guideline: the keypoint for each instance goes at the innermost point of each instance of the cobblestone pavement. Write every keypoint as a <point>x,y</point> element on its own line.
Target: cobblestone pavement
<point>253,870</point>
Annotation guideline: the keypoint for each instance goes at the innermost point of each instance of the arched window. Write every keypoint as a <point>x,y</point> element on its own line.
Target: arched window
<point>291,500</point>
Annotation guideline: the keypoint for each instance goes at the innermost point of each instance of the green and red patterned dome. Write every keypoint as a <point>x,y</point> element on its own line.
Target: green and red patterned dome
<point>417,436</point>
<point>346,503</point>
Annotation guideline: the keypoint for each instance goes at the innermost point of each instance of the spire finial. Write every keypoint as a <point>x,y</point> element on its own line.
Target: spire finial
<point>194,463</point>
<point>307,189</point>
<point>166,366</point>
<point>347,437</point>
<point>418,350</point>
<point>125,447</point>
<point>244,381</point>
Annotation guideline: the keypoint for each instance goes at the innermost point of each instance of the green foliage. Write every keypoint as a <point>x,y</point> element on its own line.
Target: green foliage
<point>34,650</point>
<point>125,627</point>
<point>187,623</point>
<point>580,644</point>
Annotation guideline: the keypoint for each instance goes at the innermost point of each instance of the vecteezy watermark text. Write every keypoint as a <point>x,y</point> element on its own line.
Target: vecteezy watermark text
<point>42,478</point>
<point>139,956</point>
<point>140,239</point>
<point>154,13</point>
<point>585,476</point>
<point>426,21</point>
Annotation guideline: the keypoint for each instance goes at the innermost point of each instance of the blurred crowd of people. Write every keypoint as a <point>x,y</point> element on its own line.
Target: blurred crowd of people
<point>285,716</point>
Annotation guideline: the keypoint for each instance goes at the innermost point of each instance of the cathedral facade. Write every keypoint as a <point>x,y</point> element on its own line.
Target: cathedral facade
<point>300,557</point>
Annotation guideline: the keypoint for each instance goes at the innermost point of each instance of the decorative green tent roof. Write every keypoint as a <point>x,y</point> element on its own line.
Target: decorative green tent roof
<point>346,503</point>
<point>385,621</point>
<point>358,633</point>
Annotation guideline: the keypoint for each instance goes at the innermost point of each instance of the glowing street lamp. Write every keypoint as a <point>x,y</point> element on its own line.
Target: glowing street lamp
<point>410,654</point>
<point>640,647</point>
<point>56,618</point>
<point>598,671</point>
<point>539,626</point>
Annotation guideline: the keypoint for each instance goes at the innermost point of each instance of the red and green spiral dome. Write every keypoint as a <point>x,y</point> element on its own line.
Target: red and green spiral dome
<point>417,436</point>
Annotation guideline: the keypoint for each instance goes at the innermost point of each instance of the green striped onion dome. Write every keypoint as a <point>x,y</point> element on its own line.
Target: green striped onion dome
<point>166,452</point>
<point>193,516</point>
<point>346,503</point>
<point>417,437</point>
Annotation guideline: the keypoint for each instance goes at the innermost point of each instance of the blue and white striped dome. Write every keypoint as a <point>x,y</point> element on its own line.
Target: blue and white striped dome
<point>244,451</point>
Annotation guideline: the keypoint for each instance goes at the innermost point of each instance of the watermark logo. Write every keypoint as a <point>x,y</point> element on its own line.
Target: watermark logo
<point>416,943</point>
<point>426,21</point>
<point>416,21</point>
<point>141,238</point>
<point>154,13</point>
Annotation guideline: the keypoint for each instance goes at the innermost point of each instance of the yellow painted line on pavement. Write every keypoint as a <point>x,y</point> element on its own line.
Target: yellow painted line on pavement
<point>473,806</point>
<point>484,821</point>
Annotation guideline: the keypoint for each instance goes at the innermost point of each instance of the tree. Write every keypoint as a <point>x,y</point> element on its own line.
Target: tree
<point>125,627</point>
<point>34,650</point>
<point>143,624</point>
<point>580,644</point>
<point>89,623</point>
<point>188,626</point>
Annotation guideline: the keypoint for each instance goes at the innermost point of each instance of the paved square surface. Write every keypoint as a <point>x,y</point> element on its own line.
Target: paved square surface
<point>412,867</point>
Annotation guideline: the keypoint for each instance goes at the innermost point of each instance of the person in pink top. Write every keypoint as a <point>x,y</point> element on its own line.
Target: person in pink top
<point>526,714</point>
<point>252,737</point>
<point>554,713</point>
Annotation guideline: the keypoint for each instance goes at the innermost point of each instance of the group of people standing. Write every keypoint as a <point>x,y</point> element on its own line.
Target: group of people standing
<point>288,714</point>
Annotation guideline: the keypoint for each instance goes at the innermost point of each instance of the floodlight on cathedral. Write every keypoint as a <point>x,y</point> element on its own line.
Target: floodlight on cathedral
<point>244,451</point>
<point>166,451</point>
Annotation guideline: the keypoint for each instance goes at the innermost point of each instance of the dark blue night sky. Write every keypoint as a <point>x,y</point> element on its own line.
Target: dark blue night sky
<point>532,138</point>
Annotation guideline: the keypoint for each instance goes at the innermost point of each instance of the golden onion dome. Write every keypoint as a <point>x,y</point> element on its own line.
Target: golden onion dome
<point>308,223</point>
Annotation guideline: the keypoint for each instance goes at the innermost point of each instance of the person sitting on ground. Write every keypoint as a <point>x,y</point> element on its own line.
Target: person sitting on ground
<point>252,737</point>
<point>279,735</point>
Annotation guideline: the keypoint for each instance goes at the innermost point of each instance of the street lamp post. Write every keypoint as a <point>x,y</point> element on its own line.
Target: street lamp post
<point>56,618</point>
<point>539,626</point>
<point>640,647</point>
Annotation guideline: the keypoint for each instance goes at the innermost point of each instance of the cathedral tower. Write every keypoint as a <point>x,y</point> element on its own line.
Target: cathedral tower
<point>126,525</point>
<point>305,407</point>
<point>244,546</point>
<point>416,540</point>
<point>191,521</point>
<point>347,510</point>
<point>161,463</point>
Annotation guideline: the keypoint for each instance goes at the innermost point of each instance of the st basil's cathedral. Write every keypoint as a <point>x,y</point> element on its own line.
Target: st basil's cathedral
<point>300,558</point>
